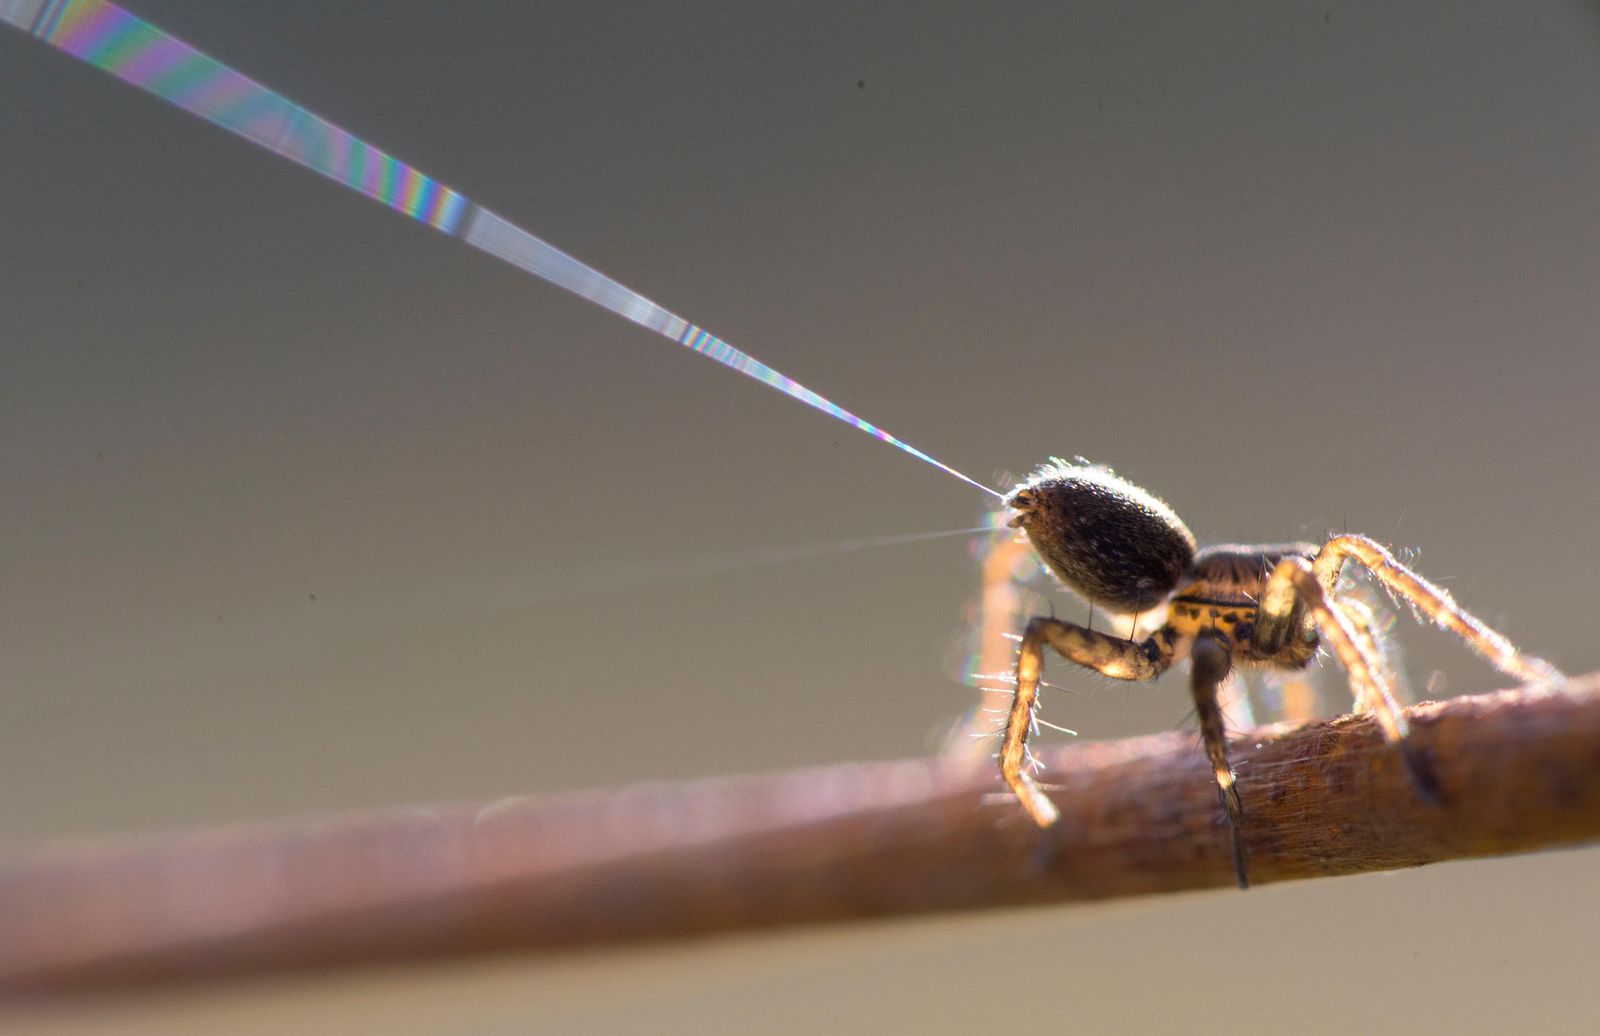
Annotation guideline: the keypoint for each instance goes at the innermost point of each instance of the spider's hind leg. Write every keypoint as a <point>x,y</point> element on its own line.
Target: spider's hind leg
<point>1110,656</point>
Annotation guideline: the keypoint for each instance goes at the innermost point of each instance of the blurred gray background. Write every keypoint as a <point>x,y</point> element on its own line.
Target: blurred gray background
<point>308,508</point>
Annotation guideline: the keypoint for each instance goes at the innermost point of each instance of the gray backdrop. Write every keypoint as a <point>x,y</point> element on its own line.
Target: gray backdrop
<point>308,508</point>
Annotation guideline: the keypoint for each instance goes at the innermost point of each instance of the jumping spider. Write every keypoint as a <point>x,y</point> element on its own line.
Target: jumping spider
<point>1270,605</point>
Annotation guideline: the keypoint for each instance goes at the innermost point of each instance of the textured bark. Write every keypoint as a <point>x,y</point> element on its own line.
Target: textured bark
<point>1518,771</point>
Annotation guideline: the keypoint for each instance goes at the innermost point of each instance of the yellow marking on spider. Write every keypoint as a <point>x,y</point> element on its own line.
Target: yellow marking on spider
<point>1191,617</point>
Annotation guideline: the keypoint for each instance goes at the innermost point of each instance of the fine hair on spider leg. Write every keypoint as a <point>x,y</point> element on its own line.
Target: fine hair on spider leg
<point>1226,607</point>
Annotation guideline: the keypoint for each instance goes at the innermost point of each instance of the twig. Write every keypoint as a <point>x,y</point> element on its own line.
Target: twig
<point>1518,770</point>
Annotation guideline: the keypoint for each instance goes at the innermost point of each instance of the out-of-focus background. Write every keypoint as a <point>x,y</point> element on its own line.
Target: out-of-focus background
<point>308,508</point>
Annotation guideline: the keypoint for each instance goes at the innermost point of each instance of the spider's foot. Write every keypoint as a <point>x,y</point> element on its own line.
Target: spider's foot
<point>1233,805</point>
<point>1033,800</point>
<point>1228,795</point>
<point>1542,677</point>
<point>1241,863</point>
<point>1423,779</point>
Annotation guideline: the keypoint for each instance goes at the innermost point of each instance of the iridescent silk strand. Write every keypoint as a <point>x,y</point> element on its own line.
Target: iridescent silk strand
<point>110,38</point>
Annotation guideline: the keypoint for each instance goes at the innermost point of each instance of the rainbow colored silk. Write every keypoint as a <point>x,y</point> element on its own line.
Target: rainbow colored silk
<point>110,38</point>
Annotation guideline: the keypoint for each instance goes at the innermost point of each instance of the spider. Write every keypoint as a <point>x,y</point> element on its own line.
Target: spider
<point>1227,606</point>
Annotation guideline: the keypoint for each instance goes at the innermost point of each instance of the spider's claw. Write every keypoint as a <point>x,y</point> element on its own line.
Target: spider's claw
<point>1241,864</point>
<point>1228,794</point>
<point>1233,806</point>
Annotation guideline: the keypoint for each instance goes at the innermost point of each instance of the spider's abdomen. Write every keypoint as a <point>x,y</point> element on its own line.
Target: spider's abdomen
<point>1103,536</point>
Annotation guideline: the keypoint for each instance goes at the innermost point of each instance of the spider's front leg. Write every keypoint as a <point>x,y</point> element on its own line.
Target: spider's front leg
<point>1375,646</point>
<point>1294,584</point>
<point>1433,601</point>
<point>1110,656</point>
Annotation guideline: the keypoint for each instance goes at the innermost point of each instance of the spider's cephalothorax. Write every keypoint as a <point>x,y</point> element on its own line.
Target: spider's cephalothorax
<point>1127,552</point>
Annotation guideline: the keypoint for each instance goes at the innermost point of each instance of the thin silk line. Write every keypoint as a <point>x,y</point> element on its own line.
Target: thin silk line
<point>136,52</point>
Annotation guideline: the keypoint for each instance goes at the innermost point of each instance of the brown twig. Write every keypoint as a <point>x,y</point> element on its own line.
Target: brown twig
<point>1518,771</point>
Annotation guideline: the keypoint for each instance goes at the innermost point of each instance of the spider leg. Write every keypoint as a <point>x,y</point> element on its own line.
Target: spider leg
<point>1356,647</point>
<point>1210,667</point>
<point>1375,646</point>
<point>1434,601</point>
<point>1297,695</point>
<point>1108,655</point>
<point>1294,580</point>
